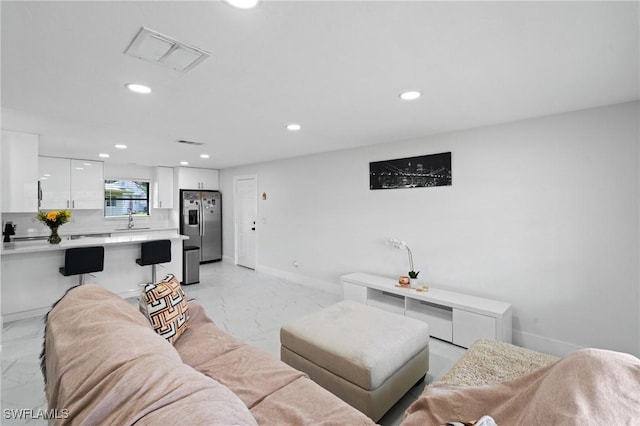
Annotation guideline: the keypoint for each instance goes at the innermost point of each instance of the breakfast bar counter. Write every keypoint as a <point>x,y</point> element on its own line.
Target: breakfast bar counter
<point>40,245</point>
<point>31,281</point>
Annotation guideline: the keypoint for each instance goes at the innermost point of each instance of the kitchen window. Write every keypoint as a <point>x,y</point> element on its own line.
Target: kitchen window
<point>122,196</point>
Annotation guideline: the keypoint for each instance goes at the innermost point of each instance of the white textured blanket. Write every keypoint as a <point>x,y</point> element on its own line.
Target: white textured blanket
<point>588,387</point>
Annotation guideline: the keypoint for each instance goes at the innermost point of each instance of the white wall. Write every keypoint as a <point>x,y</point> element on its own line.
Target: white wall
<point>543,213</point>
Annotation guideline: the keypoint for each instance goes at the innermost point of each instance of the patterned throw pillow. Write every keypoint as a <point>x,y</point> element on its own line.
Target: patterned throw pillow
<point>166,307</point>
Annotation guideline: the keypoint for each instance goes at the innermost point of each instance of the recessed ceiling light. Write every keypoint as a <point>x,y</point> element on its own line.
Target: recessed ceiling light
<point>204,155</point>
<point>44,178</point>
<point>138,88</point>
<point>184,163</point>
<point>293,127</point>
<point>243,4</point>
<point>79,168</point>
<point>87,164</point>
<point>410,96</point>
<point>120,146</point>
<point>103,155</point>
<point>46,175</point>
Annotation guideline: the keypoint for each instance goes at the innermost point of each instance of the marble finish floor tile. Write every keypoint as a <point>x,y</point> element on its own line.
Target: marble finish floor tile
<point>247,304</point>
<point>22,382</point>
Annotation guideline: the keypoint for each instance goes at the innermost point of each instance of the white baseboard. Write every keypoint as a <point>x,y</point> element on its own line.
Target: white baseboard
<point>543,344</point>
<point>39,312</point>
<point>334,288</point>
<point>32,313</point>
<point>528,340</point>
<point>131,293</point>
<point>520,338</point>
<point>329,287</point>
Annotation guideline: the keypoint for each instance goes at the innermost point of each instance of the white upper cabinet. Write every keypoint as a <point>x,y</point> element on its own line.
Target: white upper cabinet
<point>193,178</point>
<point>19,172</point>
<point>163,188</point>
<point>55,183</point>
<point>87,185</point>
<point>71,184</point>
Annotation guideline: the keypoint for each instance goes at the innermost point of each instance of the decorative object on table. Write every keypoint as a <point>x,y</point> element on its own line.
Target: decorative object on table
<point>404,281</point>
<point>9,230</point>
<point>408,287</point>
<point>412,172</point>
<point>53,219</point>
<point>413,275</point>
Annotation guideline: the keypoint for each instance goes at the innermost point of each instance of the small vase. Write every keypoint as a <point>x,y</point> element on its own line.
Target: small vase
<point>54,238</point>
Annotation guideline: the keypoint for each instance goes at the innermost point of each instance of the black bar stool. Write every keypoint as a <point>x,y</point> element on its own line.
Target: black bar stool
<point>83,260</point>
<point>154,252</point>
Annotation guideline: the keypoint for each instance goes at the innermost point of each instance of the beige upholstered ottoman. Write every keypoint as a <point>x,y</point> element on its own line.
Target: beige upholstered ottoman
<point>366,356</point>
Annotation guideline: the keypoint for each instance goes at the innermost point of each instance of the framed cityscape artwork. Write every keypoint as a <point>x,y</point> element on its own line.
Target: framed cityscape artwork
<point>411,172</point>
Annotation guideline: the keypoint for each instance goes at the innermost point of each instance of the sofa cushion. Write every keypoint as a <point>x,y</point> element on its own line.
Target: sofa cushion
<point>166,307</point>
<point>203,333</point>
<point>249,372</point>
<point>106,365</point>
<point>313,405</point>
<point>276,393</point>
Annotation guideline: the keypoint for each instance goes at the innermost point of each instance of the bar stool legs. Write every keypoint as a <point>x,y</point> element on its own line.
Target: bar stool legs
<point>153,253</point>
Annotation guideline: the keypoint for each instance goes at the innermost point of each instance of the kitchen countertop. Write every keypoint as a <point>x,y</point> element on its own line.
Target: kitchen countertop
<point>42,245</point>
<point>138,229</point>
<point>65,232</point>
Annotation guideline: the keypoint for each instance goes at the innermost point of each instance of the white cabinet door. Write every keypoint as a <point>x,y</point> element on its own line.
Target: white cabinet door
<point>87,184</point>
<point>19,172</point>
<point>188,178</point>
<point>357,293</point>
<point>163,188</point>
<point>193,178</point>
<point>469,326</point>
<point>209,179</point>
<point>71,184</point>
<point>55,183</point>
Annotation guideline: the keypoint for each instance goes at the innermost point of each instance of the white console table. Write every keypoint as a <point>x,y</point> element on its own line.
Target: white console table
<point>454,317</point>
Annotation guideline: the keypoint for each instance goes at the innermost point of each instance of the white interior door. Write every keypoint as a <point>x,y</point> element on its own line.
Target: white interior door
<point>246,215</point>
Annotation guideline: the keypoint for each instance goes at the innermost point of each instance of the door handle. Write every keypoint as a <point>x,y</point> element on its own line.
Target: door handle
<point>201,220</point>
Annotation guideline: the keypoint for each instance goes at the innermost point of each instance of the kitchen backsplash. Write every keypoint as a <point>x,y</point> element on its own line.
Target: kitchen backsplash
<point>86,220</point>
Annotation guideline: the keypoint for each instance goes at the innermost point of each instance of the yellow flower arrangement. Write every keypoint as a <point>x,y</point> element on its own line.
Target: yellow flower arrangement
<point>54,218</point>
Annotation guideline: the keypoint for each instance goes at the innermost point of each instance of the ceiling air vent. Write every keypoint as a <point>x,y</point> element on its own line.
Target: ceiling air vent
<point>160,49</point>
<point>190,142</point>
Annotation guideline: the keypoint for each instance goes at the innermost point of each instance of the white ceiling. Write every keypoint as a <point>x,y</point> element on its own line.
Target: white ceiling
<point>334,67</point>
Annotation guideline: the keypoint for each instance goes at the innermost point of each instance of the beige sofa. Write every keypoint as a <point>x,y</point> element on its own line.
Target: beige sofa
<point>104,364</point>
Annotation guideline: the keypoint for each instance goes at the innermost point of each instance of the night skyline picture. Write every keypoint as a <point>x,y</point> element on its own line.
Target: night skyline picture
<point>411,172</point>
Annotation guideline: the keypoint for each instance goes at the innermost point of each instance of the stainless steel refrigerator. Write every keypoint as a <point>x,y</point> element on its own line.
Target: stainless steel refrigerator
<point>201,221</point>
